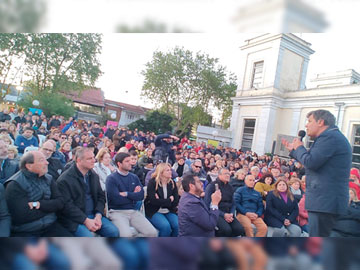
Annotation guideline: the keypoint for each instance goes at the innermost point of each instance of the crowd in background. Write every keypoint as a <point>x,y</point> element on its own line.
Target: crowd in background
<point>261,195</point>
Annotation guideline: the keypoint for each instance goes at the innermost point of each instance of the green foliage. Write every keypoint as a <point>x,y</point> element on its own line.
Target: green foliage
<point>21,15</point>
<point>12,53</point>
<point>63,62</point>
<point>156,121</point>
<point>50,62</point>
<point>178,80</point>
<point>50,103</point>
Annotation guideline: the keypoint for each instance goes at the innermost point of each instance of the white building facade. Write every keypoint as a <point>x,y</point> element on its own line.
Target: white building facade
<point>273,99</point>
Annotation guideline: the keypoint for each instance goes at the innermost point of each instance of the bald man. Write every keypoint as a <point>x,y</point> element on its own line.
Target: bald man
<point>55,167</point>
<point>33,199</point>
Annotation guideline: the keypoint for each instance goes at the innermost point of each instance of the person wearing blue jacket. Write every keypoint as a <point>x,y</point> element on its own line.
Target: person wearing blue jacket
<point>282,210</point>
<point>327,166</point>
<point>249,207</point>
<point>124,190</point>
<point>26,139</point>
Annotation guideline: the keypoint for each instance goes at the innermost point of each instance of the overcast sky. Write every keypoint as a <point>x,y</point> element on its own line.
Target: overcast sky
<point>124,56</point>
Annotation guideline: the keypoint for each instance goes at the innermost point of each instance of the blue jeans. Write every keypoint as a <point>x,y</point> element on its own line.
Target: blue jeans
<point>107,229</point>
<point>167,224</point>
<point>56,260</point>
<point>133,253</point>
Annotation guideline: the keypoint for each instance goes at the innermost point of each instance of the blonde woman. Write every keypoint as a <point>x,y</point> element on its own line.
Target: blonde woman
<point>12,152</point>
<point>65,148</point>
<point>162,201</point>
<point>103,166</point>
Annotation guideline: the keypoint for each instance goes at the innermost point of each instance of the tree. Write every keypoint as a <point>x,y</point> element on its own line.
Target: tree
<point>21,15</point>
<point>156,121</point>
<point>62,62</point>
<point>12,55</point>
<point>50,103</point>
<point>179,78</point>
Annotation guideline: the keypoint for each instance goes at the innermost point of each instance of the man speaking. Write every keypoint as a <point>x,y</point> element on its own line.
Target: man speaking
<point>327,165</point>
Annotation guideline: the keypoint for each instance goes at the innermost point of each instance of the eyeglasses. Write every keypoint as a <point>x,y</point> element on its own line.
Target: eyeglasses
<point>199,167</point>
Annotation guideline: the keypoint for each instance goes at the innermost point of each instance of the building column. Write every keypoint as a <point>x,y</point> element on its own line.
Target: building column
<point>234,127</point>
<point>295,122</point>
<point>262,142</point>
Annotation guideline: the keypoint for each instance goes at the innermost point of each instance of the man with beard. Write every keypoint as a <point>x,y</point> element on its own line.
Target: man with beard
<point>26,139</point>
<point>55,168</point>
<point>8,166</point>
<point>195,217</point>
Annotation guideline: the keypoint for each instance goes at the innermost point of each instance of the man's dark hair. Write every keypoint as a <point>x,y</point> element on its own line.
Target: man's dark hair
<point>328,117</point>
<point>29,128</point>
<point>120,157</point>
<point>27,158</point>
<point>133,153</point>
<point>187,180</point>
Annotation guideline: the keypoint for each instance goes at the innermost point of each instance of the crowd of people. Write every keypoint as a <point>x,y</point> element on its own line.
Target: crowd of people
<point>67,177</point>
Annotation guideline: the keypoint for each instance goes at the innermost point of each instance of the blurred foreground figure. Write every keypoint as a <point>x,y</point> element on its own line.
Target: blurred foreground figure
<point>248,253</point>
<point>216,255</point>
<point>31,254</point>
<point>89,253</point>
<point>175,254</point>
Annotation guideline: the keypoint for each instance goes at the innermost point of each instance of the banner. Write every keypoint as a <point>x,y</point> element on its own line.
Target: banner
<point>35,111</point>
<point>111,123</point>
<point>213,142</point>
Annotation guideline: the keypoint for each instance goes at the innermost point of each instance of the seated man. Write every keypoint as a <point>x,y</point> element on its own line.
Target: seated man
<point>9,166</point>
<point>83,213</point>
<point>250,207</point>
<point>55,168</point>
<point>227,224</point>
<point>195,217</point>
<point>26,139</point>
<point>33,199</point>
<point>124,190</point>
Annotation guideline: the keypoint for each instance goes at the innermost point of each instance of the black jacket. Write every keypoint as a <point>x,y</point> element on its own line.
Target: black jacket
<point>26,219</point>
<point>152,205</point>
<point>9,168</point>
<point>72,186</point>
<point>226,204</point>
<point>55,167</point>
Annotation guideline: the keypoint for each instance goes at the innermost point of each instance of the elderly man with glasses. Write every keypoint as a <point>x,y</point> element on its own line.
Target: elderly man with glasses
<point>227,224</point>
<point>55,167</point>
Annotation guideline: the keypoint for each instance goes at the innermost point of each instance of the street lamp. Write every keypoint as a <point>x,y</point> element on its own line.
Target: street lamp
<point>35,103</point>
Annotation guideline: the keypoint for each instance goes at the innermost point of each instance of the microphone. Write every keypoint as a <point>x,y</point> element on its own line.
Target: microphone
<point>301,134</point>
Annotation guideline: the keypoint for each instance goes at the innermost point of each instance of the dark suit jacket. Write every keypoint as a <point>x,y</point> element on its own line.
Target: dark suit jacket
<point>327,165</point>
<point>195,218</point>
<point>72,186</point>
<point>277,211</point>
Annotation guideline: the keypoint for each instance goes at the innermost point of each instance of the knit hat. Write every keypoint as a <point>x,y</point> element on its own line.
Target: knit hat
<point>355,172</point>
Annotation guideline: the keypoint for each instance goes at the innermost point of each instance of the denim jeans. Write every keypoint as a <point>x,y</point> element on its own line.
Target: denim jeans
<point>56,260</point>
<point>107,229</point>
<point>133,253</point>
<point>167,224</point>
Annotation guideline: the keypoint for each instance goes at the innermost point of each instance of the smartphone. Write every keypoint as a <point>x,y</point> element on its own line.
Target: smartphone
<point>216,187</point>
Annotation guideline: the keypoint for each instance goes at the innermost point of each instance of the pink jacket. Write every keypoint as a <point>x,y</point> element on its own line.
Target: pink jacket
<point>303,214</point>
